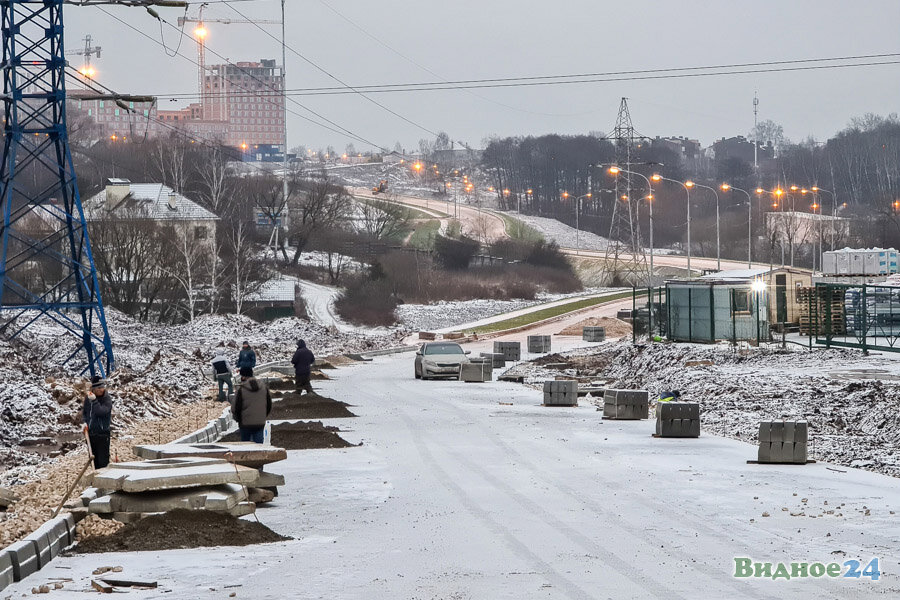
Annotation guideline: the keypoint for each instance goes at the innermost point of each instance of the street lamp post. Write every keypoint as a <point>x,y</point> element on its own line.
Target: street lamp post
<point>614,170</point>
<point>577,210</point>
<point>817,189</point>
<point>687,185</point>
<point>718,226</point>
<point>725,187</point>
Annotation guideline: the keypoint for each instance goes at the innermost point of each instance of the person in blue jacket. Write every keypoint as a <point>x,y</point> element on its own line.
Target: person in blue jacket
<point>246,358</point>
<point>97,417</point>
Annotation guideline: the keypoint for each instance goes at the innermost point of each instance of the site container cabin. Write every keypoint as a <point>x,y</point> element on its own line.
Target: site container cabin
<point>735,305</point>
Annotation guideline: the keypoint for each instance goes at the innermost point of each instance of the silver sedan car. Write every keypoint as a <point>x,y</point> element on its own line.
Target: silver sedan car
<point>439,359</point>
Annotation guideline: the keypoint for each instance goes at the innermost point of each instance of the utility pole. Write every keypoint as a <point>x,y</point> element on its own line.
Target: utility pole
<point>284,161</point>
<point>47,272</point>
<point>755,133</point>
<point>624,225</point>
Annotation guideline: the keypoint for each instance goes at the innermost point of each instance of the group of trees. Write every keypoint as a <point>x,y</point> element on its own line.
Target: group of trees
<point>860,165</point>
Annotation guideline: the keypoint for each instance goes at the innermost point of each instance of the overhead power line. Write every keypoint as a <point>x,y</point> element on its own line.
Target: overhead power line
<point>609,76</point>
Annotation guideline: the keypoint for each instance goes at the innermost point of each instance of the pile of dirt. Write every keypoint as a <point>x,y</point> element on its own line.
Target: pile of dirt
<point>301,436</point>
<point>308,406</point>
<point>286,383</point>
<point>181,528</point>
<point>615,328</point>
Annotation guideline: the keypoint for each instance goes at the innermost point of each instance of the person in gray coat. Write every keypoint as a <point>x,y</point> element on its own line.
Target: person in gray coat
<point>97,416</point>
<point>252,406</point>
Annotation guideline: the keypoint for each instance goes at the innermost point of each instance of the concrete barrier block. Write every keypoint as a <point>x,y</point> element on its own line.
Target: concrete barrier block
<point>42,543</point>
<point>511,351</point>
<point>24,558</point>
<point>800,455</point>
<point>69,519</point>
<point>538,344</point>
<point>593,334</point>
<point>496,358</point>
<point>6,570</point>
<point>765,452</point>
<point>765,432</point>
<point>475,372</point>
<point>801,432</point>
<point>777,431</point>
<point>90,494</point>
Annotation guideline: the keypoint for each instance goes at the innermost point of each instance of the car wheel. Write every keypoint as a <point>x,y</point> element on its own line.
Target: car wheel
<point>417,374</point>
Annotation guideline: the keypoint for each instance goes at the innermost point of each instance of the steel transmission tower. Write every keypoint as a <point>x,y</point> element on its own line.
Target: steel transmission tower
<point>625,253</point>
<point>47,272</point>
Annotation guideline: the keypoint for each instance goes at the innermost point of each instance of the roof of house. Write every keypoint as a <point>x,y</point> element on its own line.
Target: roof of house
<point>745,274</point>
<point>152,200</point>
<point>274,290</point>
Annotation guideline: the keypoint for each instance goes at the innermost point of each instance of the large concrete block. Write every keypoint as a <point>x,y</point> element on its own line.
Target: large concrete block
<point>626,404</point>
<point>511,351</point>
<point>538,344</point>
<point>6,570</point>
<point>496,358</point>
<point>475,372</point>
<point>561,393</point>
<point>24,558</point>
<point>69,519</point>
<point>268,480</point>
<point>783,441</point>
<point>172,473</point>
<point>593,334</point>
<point>248,454</point>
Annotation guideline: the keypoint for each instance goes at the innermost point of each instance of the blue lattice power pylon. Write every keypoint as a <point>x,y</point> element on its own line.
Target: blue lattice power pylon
<point>46,267</point>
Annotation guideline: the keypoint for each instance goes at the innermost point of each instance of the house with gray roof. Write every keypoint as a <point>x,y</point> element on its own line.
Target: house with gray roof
<point>122,199</point>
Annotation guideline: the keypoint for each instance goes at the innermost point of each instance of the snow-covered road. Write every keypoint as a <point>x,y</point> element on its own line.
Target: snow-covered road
<point>320,301</point>
<point>476,491</point>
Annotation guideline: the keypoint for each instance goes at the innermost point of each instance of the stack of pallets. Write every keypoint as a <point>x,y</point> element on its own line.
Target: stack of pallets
<point>818,305</point>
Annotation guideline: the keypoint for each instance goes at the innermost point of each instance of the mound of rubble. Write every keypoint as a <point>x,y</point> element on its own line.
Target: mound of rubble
<point>181,528</point>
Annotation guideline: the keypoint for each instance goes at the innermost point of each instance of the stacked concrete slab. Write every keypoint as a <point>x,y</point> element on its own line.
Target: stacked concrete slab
<point>560,393</point>
<point>783,442</point>
<point>538,344</point>
<point>593,334</point>
<point>626,404</point>
<point>511,351</point>
<point>498,361</point>
<point>476,371</point>
<point>678,419</point>
<point>137,489</point>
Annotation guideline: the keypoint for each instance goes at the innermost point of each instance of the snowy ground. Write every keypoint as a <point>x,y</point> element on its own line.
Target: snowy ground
<point>155,365</point>
<point>849,399</point>
<point>561,233</point>
<point>464,491</point>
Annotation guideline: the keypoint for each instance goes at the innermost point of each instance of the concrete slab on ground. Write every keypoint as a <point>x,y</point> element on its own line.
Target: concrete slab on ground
<point>248,454</point>
<point>172,473</point>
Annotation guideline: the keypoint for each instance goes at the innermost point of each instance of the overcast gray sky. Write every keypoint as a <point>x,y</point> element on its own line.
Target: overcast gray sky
<point>470,39</point>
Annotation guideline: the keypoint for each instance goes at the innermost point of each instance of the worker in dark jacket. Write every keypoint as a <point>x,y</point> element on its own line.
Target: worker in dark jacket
<point>222,374</point>
<point>97,417</point>
<point>247,357</point>
<point>252,405</point>
<point>303,361</point>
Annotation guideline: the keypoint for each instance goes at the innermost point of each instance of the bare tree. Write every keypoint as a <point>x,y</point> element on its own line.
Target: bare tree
<point>168,159</point>
<point>215,179</point>
<point>189,254</point>
<point>318,205</point>
<point>382,219</point>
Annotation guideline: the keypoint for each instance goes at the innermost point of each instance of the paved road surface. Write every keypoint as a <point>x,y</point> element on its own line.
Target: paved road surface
<point>474,491</point>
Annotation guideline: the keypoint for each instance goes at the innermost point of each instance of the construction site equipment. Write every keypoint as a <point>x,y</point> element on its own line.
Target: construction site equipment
<point>47,271</point>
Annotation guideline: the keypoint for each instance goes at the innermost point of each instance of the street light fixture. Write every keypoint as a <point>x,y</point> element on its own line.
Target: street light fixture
<point>687,190</point>
<point>725,187</point>
<point>578,210</point>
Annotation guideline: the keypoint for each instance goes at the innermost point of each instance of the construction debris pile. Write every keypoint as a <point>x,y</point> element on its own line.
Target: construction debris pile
<point>848,399</point>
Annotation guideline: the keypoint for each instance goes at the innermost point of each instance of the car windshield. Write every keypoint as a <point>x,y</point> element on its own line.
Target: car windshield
<point>443,349</point>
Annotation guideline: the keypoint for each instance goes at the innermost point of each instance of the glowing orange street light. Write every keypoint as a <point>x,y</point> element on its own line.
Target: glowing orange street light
<point>896,204</point>
<point>614,170</point>
<point>815,207</point>
<point>244,147</point>
<point>760,190</point>
<point>774,205</point>
<point>528,191</point>
<point>656,177</point>
<point>491,189</point>
<point>87,71</point>
<point>417,166</point>
<point>688,184</point>
<point>506,192</point>
<point>565,194</point>
<point>725,187</point>
<point>779,192</point>
<point>794,188</point>
<point>113,137</point>
<point>201,32</point>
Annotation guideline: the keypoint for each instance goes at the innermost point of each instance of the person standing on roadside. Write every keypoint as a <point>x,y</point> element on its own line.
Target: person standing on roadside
<point>97,417</point>
<point>222,374</point>
<point>303,360</point>
<point>246,358</point>
<point>252,406</point>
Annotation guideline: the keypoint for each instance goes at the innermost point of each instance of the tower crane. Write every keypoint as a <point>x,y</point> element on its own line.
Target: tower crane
<point>200,34</point>
<point>86,70</point>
